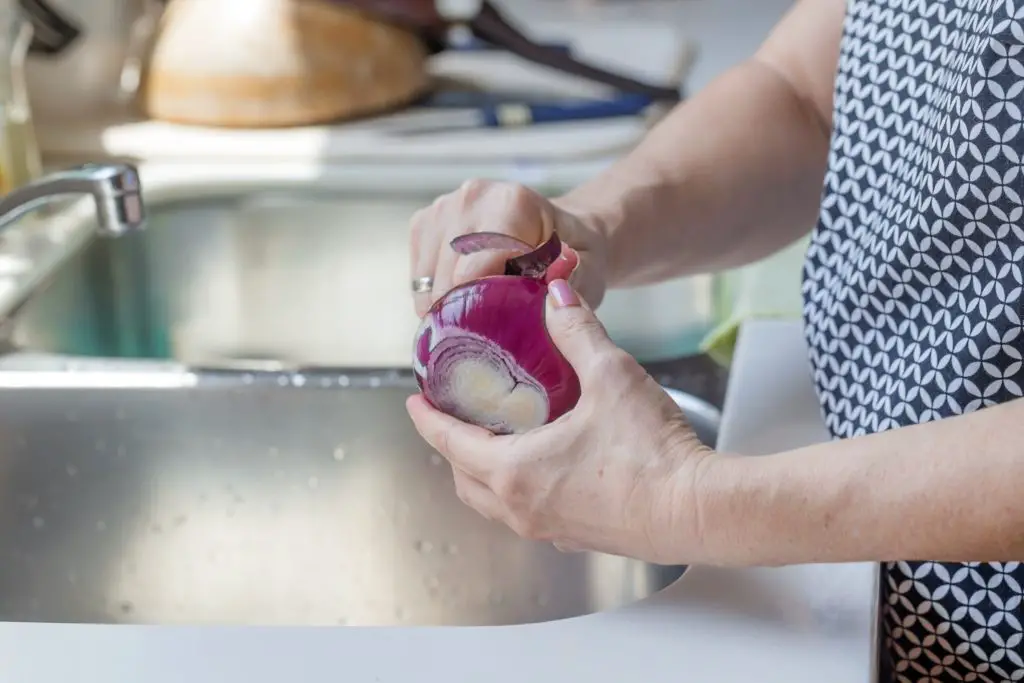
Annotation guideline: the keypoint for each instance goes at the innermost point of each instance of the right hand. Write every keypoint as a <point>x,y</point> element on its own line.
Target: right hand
<point>481,205</point>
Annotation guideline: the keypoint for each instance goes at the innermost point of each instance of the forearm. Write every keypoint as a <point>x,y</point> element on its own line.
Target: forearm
<point>951,490</point>
<point>725,179</point>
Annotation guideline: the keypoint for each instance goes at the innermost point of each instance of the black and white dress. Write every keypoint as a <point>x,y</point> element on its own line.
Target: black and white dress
<point>912,288</point>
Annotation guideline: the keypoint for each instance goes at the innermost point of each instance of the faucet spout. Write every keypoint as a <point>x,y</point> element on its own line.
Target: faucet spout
<point>115,189</point>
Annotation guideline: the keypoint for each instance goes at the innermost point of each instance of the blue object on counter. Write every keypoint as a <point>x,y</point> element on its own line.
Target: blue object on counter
<point>474,44</point>
<point>525,114</point>
<point>513,114</point>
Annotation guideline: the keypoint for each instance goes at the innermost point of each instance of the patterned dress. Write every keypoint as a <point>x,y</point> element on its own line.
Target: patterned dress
<point>912,287</point>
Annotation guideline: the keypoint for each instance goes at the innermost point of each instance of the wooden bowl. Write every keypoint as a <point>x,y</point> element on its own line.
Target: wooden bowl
<point>267,63</point>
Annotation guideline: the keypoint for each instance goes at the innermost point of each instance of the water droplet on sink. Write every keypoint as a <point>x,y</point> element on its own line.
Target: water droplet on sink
<point>71,470</point>
<point>313,483</point>
<point>339,453</point>
<point>282,380</point>
<point>38,522</point>
<point>298,380</point>
<point>436,460</point>
<point>375,382</point>
<point>247,378</point>
<point>424,547</point>
<point>344,381</point>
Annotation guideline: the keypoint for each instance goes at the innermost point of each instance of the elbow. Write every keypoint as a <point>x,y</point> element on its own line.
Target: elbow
<point>816,110</point>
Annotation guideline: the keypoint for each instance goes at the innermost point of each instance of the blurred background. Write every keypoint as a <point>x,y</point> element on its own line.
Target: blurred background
<point>366,110</point>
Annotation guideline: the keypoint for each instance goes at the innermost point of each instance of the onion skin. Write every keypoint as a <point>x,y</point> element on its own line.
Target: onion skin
<point>528,261</point>
<point>483,355</point>
<point>472,242</point>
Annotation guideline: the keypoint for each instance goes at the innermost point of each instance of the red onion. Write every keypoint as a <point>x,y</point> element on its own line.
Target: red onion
<point>482,352</point>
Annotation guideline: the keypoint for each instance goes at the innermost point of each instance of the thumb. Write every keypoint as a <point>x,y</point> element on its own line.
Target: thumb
<point>574,328</point>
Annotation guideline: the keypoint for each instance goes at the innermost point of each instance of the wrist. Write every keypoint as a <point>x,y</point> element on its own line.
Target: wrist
<point>694,509</point>
<point>731,506</point>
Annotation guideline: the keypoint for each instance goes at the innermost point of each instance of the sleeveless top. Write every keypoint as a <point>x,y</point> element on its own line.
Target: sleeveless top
<point>912,284</point>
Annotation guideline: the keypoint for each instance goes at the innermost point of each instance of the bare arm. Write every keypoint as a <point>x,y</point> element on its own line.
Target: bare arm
<point>735,173</point>
<point>949,491</point>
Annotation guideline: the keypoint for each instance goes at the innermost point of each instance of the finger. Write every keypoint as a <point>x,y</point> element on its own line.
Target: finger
<point>445,260</point>
<point>423,250</point>
<point>476,495</point>
<point>465,446</point>
<point>587,279</point>
<point>564,267</point>
<point>481,264</point>
<point>508,209</point>
<point>574,328</point>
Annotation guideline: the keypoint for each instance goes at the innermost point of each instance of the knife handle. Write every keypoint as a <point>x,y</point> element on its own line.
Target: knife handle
<point>518,115</point>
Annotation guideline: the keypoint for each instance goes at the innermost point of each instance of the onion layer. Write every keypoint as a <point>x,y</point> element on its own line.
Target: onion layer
<point>482,352</point>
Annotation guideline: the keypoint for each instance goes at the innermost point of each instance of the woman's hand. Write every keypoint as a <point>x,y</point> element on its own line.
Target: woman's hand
<point>617,474</point>
<point>481,205</point>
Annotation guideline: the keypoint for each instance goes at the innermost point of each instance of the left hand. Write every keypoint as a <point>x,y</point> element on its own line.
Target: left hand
<point>616,474</point>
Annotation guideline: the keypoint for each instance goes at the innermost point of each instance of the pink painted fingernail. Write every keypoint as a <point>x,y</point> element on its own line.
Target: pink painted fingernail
<point>563,294</point>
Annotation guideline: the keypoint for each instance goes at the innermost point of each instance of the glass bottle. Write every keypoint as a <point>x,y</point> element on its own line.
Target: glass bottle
<point>20,160</point>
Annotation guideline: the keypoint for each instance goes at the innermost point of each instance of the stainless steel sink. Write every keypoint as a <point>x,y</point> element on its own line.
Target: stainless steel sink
<point>204,423</point>
<point>236,280</point>
<point>266,498</point>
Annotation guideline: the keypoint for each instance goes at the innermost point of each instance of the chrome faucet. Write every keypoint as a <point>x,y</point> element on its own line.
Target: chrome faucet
<point>114,187</point>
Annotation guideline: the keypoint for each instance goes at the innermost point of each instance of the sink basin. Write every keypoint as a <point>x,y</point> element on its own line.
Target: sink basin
<point>204,423</point>
<point>239,280</point>
<point>267,498</point>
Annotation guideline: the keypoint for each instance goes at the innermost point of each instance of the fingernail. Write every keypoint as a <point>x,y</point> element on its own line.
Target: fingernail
<point>563,294</point>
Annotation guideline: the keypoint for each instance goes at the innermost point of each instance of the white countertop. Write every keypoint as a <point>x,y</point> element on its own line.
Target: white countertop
<point>806,623</point>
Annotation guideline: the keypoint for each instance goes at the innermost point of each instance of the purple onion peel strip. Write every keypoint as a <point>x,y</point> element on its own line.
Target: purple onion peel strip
<point>531,262</point>
<point>484,241</point>
<point>536,263</point>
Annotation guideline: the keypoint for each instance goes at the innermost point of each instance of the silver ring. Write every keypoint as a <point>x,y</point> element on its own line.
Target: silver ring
<point>422,285</point>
